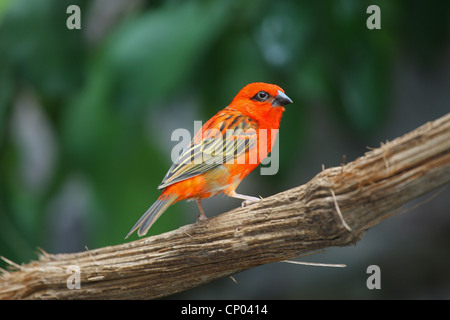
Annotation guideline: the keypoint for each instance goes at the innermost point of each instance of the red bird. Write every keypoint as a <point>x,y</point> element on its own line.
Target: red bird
<point>223,152</point>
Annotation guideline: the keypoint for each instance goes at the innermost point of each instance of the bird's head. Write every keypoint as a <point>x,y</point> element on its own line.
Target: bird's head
<point>260,95</point>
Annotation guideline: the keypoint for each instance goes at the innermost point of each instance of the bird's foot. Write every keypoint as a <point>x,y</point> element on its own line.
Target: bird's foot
<point>250,200</point>
<point>201,217</point>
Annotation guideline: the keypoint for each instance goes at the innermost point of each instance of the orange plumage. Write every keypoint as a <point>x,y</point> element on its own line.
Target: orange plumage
<point>224,151</point>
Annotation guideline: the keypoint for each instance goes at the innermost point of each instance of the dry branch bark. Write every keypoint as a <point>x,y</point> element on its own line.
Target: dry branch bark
<point>277,228</point>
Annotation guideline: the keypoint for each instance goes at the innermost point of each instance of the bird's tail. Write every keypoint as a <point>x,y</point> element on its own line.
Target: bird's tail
<point>152,214</point>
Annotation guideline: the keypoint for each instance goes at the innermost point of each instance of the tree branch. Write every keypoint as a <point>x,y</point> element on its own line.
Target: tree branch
<point>277,228</point>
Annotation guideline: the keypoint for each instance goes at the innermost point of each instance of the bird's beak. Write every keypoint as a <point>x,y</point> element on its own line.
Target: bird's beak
<point>281,99</point>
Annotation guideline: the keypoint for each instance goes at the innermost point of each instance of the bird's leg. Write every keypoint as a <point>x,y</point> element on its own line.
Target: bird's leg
<point>247,199</point>
<point>202,215</point>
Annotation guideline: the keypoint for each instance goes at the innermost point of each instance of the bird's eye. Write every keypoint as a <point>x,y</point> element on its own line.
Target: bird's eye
<point>261,96</point>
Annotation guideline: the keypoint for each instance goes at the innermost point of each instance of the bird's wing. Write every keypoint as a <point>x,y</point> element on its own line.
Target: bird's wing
<point>221,140</point>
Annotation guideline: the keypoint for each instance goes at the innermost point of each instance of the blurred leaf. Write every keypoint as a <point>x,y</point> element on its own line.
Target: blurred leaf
<point>146,59</point>
<point>4,6</point>
<point>6,91</point>
<point>41,50</point>
<point>431,28</point>
<point>151,56</point>
<point>364,89</point>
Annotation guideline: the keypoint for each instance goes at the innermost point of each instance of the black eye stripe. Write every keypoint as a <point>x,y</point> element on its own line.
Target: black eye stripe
<point>261,96</point>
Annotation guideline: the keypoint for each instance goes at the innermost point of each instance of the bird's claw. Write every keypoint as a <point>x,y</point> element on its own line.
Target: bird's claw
<point>247,202</point>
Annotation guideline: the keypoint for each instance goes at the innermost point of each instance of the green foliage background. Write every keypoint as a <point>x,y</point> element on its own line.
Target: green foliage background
<point>86,115</point>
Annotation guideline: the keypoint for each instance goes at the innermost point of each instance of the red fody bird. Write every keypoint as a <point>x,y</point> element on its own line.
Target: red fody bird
<point>223,152</point>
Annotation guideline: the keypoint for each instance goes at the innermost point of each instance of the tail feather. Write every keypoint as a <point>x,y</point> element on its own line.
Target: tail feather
<point>151,215</point>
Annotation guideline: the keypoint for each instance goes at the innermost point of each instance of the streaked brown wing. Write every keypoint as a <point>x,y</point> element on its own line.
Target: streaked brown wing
<point>225,137</point>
